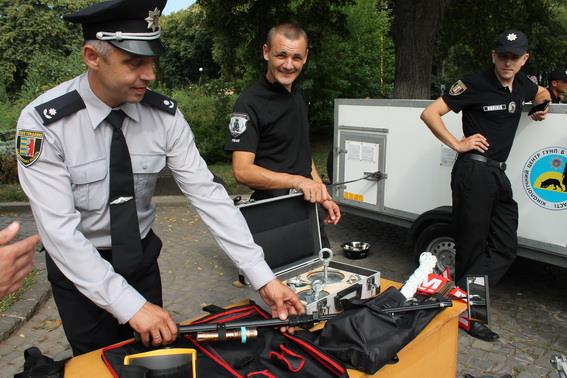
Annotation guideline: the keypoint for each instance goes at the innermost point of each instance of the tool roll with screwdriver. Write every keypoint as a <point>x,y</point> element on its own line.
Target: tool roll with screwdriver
<point>228,351</point>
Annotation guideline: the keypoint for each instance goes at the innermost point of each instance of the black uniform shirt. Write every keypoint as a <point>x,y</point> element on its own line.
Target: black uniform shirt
<point>272,123</point>
<point>490,109</point>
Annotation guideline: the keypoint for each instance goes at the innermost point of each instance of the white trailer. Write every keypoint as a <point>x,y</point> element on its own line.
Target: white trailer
<point>408,175</point>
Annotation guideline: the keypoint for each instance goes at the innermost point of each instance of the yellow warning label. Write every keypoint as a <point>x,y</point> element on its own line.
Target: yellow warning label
<point>353,196</point>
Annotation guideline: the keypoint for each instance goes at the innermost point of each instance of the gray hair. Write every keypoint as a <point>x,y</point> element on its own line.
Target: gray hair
<point>103,48</point>
<point>289,30</point>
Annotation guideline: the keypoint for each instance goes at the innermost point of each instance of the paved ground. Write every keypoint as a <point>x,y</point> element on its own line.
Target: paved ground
<point>529,307</point>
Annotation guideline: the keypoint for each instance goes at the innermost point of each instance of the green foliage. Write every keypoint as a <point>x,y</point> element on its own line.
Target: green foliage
<point>8,168</point>
<point>12,193</point>
<point>189,48</point>
<point>350,52</point>
<point>28,28</point>
<point>10,299</point>
<point>207,109</point>
<point>47,70</point>
<point>9,113</point>
<point>464,47</point>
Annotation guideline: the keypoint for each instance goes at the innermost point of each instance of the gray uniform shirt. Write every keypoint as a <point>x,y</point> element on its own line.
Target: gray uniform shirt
<point>68,189</point>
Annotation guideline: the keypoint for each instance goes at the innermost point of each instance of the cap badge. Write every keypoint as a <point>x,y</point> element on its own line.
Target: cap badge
<point>511,37</point>
<point>153,19</point>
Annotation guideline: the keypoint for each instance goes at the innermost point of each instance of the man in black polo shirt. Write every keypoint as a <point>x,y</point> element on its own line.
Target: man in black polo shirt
<point>557,84</point>
<point>485,215</point>
<point>269,129</point>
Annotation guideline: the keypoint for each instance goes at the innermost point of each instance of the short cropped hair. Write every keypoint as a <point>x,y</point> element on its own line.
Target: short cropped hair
<point>103,48</point>
<point>289,30</point>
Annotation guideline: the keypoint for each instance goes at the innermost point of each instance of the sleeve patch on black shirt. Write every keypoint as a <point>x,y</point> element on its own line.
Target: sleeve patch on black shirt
<point>457,88</point>
<point>237,124</point>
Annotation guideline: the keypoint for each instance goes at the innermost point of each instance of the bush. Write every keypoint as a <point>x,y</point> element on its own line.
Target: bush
<point>8,169</point>
<point>207,109</point>
<point>48,70</point>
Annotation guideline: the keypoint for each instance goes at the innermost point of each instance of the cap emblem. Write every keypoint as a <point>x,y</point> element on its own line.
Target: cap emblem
<point>511,37</point>
<point>153,19</point>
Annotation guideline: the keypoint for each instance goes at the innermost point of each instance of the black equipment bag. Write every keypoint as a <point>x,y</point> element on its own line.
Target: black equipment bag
<point>38,365</point>
<point>366,338</point>
<point>271,354</point>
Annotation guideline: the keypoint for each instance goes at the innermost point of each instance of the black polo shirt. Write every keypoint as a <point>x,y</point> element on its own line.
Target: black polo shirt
<point>272,123</point>
<point>490,109</point>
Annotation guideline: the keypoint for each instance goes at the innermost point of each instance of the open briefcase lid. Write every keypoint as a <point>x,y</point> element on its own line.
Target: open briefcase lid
<point>287,228</point>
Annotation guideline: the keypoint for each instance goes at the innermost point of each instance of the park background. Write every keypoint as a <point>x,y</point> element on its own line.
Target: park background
<point>357,49</point>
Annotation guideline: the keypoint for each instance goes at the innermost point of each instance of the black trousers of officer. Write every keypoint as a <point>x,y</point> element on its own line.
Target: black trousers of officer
<point>485,217</point>
<point>89,327</point>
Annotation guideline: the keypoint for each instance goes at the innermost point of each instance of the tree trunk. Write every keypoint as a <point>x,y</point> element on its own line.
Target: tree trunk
<point>414,31</point>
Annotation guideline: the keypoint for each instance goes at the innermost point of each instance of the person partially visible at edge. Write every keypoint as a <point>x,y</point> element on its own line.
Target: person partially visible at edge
<point>557,86</point>
<point>269,128</point>
<point>485,215</point>
<point>16,259</point>
<point>90,151</point>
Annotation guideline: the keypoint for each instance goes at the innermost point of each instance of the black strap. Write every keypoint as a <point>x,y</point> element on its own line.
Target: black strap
<point>124,228</point>
<point>213,309</point>
<point>39,365</point>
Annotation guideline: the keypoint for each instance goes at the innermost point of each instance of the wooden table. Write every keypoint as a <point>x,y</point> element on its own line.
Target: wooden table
<point>433,353</point>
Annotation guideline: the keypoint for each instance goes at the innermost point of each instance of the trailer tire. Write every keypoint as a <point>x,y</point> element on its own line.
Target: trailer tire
<point>438,239</point>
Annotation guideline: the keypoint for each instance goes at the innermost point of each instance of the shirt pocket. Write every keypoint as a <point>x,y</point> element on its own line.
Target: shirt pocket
<point>146,169</point>
<point>89,184</point>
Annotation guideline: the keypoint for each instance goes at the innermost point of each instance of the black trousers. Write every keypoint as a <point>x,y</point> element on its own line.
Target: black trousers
<point>485,217</point>
<point>265,194</point>
<point>89,327</point>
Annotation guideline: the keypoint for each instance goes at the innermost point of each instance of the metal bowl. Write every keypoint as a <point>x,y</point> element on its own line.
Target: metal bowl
<point>356,249</point>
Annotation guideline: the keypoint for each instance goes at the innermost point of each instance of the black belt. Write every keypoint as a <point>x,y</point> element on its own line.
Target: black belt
<point>106,252</point>
<point>483,159</point>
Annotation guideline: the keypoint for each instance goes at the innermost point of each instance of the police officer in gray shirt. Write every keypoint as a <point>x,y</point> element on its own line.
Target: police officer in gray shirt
<point>89,153</point>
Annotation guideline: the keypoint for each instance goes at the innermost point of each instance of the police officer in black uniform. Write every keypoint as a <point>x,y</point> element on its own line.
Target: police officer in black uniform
<point>557,87</point>
<point>90,151</point>
<point>269,129</point>
<point>485,215</point>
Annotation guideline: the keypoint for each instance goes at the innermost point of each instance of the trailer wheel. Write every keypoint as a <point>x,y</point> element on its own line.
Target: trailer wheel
<point>437,238</point>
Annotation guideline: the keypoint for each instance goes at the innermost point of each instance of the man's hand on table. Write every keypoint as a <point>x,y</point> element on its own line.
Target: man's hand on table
<point>282,300</point>
<point>154,322</point>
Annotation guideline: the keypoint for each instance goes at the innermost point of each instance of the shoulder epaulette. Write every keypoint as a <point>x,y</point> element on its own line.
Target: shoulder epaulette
<point>60,107</point>
<point>160,101</point>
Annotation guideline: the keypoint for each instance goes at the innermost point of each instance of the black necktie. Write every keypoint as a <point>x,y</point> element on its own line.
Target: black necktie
<point>124,228</point>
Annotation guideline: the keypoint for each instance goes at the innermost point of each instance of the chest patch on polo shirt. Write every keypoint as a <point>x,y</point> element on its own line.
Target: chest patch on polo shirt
<point>28,146</point>
<point>512,107</point>
<point>494,108</point>
<point>237,125</point>
<point>457,88</point>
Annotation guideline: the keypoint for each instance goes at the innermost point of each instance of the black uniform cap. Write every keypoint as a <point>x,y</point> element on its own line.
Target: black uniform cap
<point>512,42</point>
<point>130,25</point>
<point>560,73</point>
